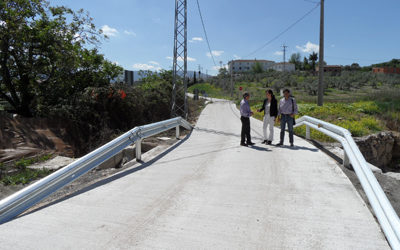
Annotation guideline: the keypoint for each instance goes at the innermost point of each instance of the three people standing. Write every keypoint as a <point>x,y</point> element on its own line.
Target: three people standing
<point>285,112</point>
<point>270,108</point>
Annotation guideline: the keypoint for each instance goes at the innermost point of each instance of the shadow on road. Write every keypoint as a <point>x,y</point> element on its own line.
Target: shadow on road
<point>298,148</point>
<point>217,132</point>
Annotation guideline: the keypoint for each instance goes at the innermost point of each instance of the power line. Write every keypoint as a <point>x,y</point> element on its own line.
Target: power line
<point>205,32</point>
<point>284,31</point>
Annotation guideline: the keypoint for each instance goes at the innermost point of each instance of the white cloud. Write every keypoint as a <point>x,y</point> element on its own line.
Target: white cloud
<point>154,63</point>
<point>218,67</point>
<point>215,53</point>
<point>129,33</point>
<point>144,66</point>
<point>196,39</point>
<point>108,31</point>
<point>180,59</point>
<point>278,53</point>
<point>308,48</point>
<point>236,57</point>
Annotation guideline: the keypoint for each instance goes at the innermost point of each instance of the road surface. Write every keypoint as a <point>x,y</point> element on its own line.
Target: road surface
<point>208,192</point>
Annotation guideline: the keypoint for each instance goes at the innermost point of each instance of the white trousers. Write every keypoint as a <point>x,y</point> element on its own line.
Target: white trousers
<point>268,121</point>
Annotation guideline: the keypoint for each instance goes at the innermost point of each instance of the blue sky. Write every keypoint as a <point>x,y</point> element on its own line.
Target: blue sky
<point>141,31</point>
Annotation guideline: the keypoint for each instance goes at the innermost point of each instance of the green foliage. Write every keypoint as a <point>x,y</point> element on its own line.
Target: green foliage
<point>257,68</point>
<point>24,177</point>
<point>23,163</point>
<point>295,58</point>
<point>313,58</point>
<point>393,63</point>
<point>46,56</point>
<point>210,90</point>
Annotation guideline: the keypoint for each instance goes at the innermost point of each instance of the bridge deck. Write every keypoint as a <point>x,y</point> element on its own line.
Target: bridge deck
<point>208,192</point>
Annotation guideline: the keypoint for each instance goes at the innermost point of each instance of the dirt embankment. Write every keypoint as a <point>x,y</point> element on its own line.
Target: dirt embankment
<point>25,137</point>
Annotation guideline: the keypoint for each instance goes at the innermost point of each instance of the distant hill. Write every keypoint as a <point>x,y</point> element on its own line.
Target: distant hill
<point>393,63</point>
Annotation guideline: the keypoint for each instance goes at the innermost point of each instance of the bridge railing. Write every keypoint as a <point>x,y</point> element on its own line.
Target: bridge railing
<point>22,200</point>
<point>383,210</point>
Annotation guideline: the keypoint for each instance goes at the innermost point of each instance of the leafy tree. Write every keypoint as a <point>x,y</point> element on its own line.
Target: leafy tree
<point>355,66</point>
<point>257,68</point>
<point>48,54</point>
<point>222,72</point>
<point>313,58</point>
<point>306,64</point>
<point>295,58</point>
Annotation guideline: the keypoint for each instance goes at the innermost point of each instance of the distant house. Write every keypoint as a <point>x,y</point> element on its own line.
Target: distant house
<point>386,70</point>
<point>243,66</point>
<point>333,69</point>
<point>288,67</point>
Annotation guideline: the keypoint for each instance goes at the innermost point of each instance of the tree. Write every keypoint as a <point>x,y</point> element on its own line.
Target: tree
<point>313,58</point>
<point>355,67</point>
<point>222,72</point>
<point>295,59</point>
<point>48,54</point>
<point>257,68</point>
<point>306,64</point>
<point>194,77</point>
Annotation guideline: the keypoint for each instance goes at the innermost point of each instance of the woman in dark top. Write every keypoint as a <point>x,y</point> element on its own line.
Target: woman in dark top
<point>270,107</point>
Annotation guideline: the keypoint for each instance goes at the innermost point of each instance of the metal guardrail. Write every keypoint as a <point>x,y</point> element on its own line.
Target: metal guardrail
<point>387,217</point>
<point>20,201</point>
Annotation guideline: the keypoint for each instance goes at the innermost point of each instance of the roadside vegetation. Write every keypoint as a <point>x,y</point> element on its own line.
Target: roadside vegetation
<point>19,173</point>
<point>51,68</point>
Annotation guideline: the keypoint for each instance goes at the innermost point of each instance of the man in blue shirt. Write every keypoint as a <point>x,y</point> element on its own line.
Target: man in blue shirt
<point>287,109</point>
<point>245,113</point>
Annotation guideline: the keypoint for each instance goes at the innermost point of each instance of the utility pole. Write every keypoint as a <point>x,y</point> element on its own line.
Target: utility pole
<point>284,57</point>
<point>200,71</point>
<point>321,58</point>
<point>179,68</point>
<point>231,69</point>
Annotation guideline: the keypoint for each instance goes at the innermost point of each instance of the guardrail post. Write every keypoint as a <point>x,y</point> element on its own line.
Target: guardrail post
<point>177,132</point>
<point>308,132</point>
<point>346,161</point>
<point>139,150</point>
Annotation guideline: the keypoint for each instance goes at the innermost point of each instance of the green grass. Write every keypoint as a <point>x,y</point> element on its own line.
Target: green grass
<point>210,90</point>
<point>23,163</point>
<point>360,118</point>
<point>24,175</point>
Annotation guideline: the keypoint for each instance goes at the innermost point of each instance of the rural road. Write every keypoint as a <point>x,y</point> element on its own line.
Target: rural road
<point>207,192</point>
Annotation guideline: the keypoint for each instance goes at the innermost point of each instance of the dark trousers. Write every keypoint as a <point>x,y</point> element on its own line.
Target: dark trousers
<point>245,129</point>
<point>289,120</point>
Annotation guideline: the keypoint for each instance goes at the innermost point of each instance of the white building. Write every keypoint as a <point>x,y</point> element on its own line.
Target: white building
<point>242,66</point>
<point>288,67</point>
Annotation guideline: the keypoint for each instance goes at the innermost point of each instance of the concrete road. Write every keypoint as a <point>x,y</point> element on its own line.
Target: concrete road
<point>207,192</point>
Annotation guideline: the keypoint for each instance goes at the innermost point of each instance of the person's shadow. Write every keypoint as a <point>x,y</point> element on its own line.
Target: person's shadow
<point>298,148</point>
<point>258,148</point>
